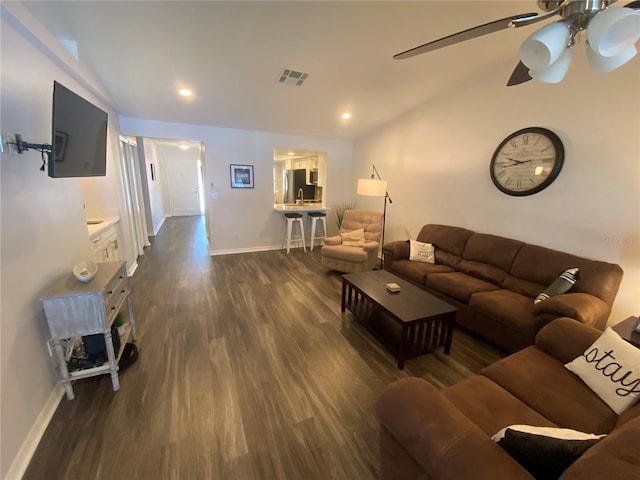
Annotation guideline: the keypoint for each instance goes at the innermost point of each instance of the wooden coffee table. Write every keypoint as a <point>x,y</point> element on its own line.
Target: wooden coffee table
<point>425,322</point>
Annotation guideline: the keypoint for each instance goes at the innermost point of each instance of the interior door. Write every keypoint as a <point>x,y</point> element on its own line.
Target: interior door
<point>182,181</point>
<point>133,219</point>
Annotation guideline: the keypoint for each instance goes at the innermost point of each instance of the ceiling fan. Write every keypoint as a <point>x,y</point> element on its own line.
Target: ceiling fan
<point>546,54</point>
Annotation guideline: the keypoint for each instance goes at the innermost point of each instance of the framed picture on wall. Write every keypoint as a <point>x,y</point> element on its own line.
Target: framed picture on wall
<point>241,176</point>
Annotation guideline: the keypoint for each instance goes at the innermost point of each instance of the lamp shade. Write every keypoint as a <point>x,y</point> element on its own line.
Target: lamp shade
<point>556,72</point>
<point>600,64</point>
<point>372,187</point>
<point>613,30</point>
<point>545,46</point>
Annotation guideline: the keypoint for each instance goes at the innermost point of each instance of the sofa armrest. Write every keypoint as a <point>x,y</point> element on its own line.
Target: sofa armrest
<point>398,250</point>
<point>333,241</point>
<point>445,443</point>
<point>371,246</point>
<point>565,339</point>
<point>583,307</point>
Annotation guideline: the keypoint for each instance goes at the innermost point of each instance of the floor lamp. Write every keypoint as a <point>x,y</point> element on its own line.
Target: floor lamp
<point>376,187</point>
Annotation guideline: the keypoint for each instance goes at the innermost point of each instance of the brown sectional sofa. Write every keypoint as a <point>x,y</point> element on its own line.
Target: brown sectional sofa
<point>493,280</point>
<point>446,434</point>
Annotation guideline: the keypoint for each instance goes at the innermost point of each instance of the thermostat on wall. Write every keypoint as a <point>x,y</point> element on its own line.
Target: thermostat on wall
<point>393,287</point>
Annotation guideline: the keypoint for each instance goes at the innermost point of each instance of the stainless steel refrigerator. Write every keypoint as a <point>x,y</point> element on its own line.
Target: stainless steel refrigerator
<point>292,182</point>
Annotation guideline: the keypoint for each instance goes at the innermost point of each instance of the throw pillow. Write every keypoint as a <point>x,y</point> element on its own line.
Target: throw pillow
<point>563,283</point>
<point>545,452</point>
<point>421,252</point>
<point>611,368</point>
<point>353,238</point>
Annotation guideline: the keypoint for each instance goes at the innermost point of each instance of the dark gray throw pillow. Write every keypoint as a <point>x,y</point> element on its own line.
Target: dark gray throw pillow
<point>562,284</point>
<point>545,452</point>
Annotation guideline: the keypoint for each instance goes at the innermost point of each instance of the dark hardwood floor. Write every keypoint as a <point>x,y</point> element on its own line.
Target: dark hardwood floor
<point>247,370</point>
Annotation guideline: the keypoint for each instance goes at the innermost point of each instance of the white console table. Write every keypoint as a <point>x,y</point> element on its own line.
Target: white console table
<point>75,309</point>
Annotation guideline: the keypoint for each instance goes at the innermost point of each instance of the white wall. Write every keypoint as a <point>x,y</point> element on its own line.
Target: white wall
<point>249,212</point>
<point>43,235</point>
<point>436,160</point>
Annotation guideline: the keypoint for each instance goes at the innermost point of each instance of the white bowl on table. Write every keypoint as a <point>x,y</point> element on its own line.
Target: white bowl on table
<point>85,271</point>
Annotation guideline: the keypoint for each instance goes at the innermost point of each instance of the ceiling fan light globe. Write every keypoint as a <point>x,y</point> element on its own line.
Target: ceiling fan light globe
<point>613,30</point>
<point>600,64</point>
<point>556,72</point>
<point>543,47</point>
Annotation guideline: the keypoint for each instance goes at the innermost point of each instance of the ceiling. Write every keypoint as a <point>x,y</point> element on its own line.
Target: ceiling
<point>230,54</point>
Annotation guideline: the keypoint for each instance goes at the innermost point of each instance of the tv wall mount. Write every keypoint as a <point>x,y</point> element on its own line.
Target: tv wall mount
<point>22,146</point>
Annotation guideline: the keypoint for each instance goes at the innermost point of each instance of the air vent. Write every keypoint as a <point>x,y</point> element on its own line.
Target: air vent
<point>291,77</point>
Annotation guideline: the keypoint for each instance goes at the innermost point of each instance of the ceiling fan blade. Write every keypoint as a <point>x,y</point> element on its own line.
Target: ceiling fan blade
<point>635,5</point>
<point>520,75</point>
<point>465,35</point>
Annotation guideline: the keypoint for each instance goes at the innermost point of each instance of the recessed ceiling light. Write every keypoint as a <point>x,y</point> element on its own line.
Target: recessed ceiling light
<point>183,146</point>
<point>346,116</point>
<point>185,92</point>
<point>291,153</point>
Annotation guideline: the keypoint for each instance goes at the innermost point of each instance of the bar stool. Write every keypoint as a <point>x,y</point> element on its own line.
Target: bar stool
<point>292,218</point>
<point>314,217</point>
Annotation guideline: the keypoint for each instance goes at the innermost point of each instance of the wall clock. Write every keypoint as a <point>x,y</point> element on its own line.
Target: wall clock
<point>527,161</point>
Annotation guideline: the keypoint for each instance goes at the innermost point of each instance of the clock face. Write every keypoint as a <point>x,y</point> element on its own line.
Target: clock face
<point>527,161</point>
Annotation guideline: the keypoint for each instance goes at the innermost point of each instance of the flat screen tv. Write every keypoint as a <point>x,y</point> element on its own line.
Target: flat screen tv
<point>78,138</point>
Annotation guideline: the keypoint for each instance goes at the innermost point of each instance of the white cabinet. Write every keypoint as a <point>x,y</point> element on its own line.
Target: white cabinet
<point>105,244</point>
<point>74,309</point>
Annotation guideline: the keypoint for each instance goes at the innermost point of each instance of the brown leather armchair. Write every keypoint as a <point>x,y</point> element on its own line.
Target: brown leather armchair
<point>348,259</point>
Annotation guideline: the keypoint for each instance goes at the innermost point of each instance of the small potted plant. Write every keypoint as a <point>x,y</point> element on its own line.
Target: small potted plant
<point>119,322</point>
<point>339,211</point>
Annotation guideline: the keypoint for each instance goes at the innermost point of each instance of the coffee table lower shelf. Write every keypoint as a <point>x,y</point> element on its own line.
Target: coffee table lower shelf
<point>405,339</point>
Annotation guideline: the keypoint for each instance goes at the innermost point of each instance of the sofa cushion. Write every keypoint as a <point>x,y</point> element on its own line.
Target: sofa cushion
<point>445,237</point>
<point>545,452</point>
<point>371,222</point>
<point>543,383</point>
<point>565,339</point>
<point>447,258</point>
<point>629,414</point>
<point>342,252</point>
<point>510,310</point>
<point>441,439</point>
<point>417,271</point>
<point>611,368</point>
<point>530,289</point>
<point>490,406</point>
<point>616,457</point>
<point>483,271</point>
<point>542,265</point>
<point>458,285</point>
<point>493,250</point>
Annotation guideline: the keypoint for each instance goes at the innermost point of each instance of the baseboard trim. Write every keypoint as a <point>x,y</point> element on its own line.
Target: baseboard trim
<point>266,248</point>
<point>159,226</point>
<point>28,448</point>
<point>132,269</point>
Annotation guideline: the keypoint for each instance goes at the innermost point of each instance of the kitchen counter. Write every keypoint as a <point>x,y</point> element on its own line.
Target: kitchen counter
<point>98,225</point>
<point>307,207</point>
